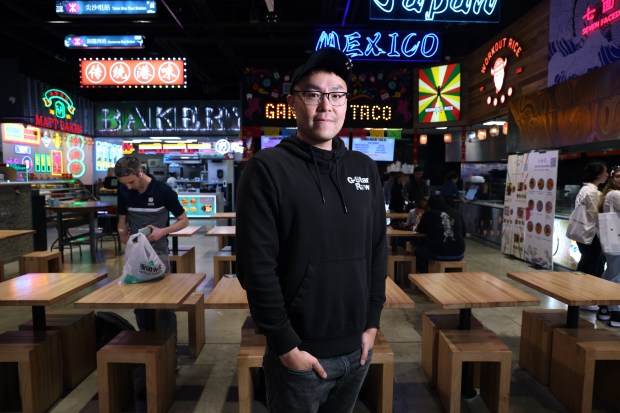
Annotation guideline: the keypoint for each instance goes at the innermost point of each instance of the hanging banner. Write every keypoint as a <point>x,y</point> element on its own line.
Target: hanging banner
<point>529,207</point>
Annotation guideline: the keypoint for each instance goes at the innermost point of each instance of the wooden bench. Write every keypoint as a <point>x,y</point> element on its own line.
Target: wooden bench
<point>459,346</point>
<point>585,361</point>
<point>252,349</point>
<point>195,307</point>
<point>40,261</point>
<point>222,264</point>
<point>537,338</point>
<point>184,261</point>
<point>33,360</point>
<point>447,266</point>
<point>432,323</point>
<point>115,363</point>
<point>77,342</point>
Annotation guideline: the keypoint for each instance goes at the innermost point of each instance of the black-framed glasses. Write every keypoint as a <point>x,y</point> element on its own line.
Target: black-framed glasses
<point>313,98</point>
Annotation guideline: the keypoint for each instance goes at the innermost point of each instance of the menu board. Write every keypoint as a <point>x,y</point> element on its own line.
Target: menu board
<point>198,205</point>
<point>379,149</point>
<point>529,207</point>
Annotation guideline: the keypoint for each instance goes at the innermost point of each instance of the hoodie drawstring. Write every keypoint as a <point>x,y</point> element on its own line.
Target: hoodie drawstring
<point>344,204</point>
<point>318,176</point>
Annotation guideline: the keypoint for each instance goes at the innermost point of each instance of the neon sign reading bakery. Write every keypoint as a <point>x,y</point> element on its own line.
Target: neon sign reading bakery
<point>595,19</point>
<point>62,108</point>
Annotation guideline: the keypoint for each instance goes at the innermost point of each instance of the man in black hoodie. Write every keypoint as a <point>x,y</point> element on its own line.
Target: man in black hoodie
<point>312,248</point>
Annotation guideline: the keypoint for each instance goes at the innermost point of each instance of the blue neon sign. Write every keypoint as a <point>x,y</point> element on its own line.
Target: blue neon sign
<point>469,11</point>
<point>98,8</point>
<point>382,46</point>
<point>105,42</point>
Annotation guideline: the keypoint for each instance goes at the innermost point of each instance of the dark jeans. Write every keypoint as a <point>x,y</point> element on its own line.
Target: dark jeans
<point>304,392</point>
<point>592,258</point>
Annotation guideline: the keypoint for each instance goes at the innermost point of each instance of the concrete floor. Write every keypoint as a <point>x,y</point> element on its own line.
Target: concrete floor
<point>209,383</point>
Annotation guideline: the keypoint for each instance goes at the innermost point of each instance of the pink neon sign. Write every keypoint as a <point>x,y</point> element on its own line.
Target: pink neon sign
<point>595,19</point>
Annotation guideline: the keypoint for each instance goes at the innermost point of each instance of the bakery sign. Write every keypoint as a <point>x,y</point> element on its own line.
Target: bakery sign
<point>501,64</point>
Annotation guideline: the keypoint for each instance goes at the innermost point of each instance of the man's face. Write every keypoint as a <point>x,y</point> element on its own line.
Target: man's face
<point>133,182</point>
<point>417,175</point>
<point>319,124</point>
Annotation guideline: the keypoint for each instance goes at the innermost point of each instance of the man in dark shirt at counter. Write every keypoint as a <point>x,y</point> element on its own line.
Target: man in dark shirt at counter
<point>444,228</point>
<point>416,189</point>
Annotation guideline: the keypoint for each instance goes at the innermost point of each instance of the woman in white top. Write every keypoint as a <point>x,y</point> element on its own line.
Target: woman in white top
<point>592,259</point>
<point>610,202</point>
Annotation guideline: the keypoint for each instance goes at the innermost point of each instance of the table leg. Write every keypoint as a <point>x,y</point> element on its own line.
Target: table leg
<point>572,316</point>
<point>467,386</point>
<point>61,234</point>
<point>38,318</point>
<point>175,246</point>
<point>150,319</point>
<point>92,221</point>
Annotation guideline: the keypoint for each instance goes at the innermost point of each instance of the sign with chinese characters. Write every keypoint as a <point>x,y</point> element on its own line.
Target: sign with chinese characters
<point>382,46</point>
<point>132,73</point>
<point>105,42</point>
<point>500,63</point>
<point>439,93</point>
<point>601,15</point>
<point>214,118</point>
<point>476,11</point>
<point>101,8</point>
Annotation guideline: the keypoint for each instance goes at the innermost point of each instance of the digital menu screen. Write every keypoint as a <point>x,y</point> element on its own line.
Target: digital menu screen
<point>379,149</point>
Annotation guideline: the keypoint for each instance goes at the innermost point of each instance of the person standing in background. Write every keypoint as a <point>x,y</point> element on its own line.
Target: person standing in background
<point>172,180</point>
<point>610,202</point>
<point>450,191</point>
<point>312,250</point>
<point>146,202</point>
<point>416,189</point>
<point>397,198</point>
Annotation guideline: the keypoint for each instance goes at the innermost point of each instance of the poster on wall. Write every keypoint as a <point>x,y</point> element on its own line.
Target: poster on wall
<point>529,207</point>
<point>439,93</point>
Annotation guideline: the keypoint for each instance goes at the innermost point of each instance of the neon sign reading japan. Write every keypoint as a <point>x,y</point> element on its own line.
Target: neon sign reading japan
<point>377,46</point>
<point>480,11</point>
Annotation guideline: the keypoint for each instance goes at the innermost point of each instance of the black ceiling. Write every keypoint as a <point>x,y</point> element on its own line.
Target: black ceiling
<point>218,38</point>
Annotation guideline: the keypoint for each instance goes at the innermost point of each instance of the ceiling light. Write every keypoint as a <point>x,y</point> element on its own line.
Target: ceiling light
<point>494,130</point>
<point>423,139</point>
<point>493,122</point>
<point>505,128</point>
<point>482,134</point>
<point>441,127</point>
<point>447,137</point>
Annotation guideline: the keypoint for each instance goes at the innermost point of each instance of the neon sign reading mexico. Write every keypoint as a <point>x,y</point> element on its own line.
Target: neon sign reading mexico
<point>382,46</point>
<point>478,11</point>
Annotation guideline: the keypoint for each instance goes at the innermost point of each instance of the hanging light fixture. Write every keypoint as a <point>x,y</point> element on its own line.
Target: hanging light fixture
<point>505,128</point>
<point>494,130</point>
<point>423,139</point>
<point>447,137</point>
<point>482,134</point>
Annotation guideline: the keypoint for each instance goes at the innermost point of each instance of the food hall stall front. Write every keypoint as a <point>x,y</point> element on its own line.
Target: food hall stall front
<point>198,142</point>
<point>549,106</point>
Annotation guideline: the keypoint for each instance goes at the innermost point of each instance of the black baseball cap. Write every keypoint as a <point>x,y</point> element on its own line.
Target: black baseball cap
<point>329,59</point>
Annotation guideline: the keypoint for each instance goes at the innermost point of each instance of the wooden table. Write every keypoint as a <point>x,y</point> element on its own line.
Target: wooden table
<point>571,288</point>
<point>185,232</point>
<point>7,234</point>
<point>224,215</point>
<point>89,208</point>
<point>41,289</point>
<point>168,293</point>
<point>396,215</point>
<point>228,294</point>
<point>396,233</point>
<point>467,290</point>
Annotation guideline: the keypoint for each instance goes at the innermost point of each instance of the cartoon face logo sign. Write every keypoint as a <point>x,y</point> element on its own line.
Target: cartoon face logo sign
<point>498,71</point>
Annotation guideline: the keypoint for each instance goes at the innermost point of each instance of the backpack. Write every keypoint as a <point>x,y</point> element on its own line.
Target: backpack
<point>108,325</point>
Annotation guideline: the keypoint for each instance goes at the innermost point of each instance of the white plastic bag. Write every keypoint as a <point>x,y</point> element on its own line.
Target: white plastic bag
<point>579,227</point>
<point>142,264</point>
<point>609,227</point>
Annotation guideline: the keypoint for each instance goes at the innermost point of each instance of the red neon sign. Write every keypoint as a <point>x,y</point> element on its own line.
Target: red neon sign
<point>132,73</point>
<point>594,20</point>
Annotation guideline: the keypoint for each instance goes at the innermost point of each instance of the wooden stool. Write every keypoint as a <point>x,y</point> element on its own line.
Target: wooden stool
<point>459,346</point>
<point>222,264</point>
<point>184,261</point>
<point>115,366</point>
<point>433,322</point>
<point>40,261</point>
<point>380,374</point>
<point>584,361</point>
<point>447,266</point>
<point>36,356</point>
<point>77,342</point>
<point>536,340</point>
<point>195,307</point>
<point>406,258</point>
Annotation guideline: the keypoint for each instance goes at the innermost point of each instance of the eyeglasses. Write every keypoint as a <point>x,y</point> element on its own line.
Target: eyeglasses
<point>313,98</point>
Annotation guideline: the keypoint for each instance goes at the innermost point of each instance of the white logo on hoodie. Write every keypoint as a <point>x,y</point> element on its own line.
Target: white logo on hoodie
<point>361,184</point>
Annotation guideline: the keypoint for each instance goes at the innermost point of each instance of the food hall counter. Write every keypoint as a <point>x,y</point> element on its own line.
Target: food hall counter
<point>483,221</point>
<point>201,205</point>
